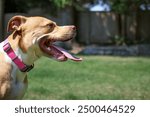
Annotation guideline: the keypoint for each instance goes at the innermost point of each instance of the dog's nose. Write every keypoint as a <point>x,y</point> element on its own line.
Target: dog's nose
<point>73,27</point>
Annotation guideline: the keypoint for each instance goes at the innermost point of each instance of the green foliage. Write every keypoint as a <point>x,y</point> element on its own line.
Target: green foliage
<point>24,5</point>
<point>125,6</point>
<point>62,3</point>
<point>119,6</point>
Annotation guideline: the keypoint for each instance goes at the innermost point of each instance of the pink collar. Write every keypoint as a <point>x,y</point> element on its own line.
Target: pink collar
<point>19,63</point>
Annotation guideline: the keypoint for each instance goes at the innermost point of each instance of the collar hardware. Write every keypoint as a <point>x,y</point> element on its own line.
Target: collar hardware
<point>27,68</point>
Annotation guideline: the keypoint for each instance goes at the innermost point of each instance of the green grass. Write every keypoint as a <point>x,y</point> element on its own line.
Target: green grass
<point>96,77</point>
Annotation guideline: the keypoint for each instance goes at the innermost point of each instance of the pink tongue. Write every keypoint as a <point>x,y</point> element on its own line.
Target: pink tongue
<point>68,55</point>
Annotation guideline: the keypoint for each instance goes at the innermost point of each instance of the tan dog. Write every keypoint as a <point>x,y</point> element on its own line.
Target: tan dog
<point>31,38</point>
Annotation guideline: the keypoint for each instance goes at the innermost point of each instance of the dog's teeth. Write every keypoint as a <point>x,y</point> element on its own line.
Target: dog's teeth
<point>49,48</point>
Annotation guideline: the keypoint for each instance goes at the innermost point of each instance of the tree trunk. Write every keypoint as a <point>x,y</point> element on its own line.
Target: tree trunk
<point>1,20</point>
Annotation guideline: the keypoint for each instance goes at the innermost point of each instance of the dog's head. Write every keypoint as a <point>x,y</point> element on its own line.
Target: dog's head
<point>38,34</point>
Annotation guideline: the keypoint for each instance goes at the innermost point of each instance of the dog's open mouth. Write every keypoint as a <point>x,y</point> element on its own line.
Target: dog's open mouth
<point>56,52</point>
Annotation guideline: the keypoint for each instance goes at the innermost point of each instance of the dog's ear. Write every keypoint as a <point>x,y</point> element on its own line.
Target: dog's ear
<point>15,23</point>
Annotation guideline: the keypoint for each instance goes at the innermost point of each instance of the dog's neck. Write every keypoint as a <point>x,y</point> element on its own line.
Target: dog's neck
<point>28,57</point>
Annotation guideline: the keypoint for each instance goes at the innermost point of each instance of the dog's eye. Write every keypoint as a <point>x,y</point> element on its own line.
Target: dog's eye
<point>50,26</point>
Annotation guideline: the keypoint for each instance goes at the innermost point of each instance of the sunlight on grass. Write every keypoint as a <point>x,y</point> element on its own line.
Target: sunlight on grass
<point>95,78</point>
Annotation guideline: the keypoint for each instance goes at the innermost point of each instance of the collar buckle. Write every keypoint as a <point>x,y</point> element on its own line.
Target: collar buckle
<point>27,68</point>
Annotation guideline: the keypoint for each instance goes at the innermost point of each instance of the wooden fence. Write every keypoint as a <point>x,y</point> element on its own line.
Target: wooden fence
<point>103,27</point>
<point>98,27</point>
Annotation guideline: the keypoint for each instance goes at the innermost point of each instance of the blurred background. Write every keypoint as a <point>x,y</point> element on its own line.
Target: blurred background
<point>104,27</point>
<point>99,22</point>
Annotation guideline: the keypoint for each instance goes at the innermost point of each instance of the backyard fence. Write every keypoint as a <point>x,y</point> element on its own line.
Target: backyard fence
<point>103,27</point>
<point>99,27</point>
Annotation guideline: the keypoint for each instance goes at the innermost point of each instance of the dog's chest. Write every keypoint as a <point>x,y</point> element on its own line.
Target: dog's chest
<point>19,84</point>
<point>18,90</point>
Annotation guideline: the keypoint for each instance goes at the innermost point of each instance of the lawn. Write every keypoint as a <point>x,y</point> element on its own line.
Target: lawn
<point>97,77</point>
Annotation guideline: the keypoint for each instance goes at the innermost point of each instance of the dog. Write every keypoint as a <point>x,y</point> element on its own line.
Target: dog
<point>30,39</point>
